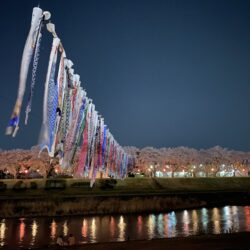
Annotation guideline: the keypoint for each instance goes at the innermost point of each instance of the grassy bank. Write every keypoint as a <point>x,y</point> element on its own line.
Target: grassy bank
<point>75,197</point>
<point>134,185</point>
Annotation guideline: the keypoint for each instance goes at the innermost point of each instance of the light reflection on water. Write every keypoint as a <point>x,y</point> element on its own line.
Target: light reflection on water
<point>216,220</point>
<point>122,227</point>
<point>21,230</point>
<point>93,231</point>
<point>34,229</point>
<point>53,230</point>
<point>38,232</point>
<point>2,232</point>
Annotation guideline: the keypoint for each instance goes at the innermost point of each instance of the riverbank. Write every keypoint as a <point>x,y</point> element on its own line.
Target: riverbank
<point>66,197</point>
<point>232,241</point>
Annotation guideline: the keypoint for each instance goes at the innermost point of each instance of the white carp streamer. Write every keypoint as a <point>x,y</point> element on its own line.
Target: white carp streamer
<point>37,17</point>
<point>70,120</point>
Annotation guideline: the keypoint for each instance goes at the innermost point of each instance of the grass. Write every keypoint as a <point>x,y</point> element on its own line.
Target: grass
<point>130,186</point>
<point>131,195</point>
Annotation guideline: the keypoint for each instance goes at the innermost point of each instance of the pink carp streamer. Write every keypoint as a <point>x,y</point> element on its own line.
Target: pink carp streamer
<point>71,125</point>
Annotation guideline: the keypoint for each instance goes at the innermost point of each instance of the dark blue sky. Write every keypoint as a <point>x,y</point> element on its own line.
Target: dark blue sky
<point>163,73</point>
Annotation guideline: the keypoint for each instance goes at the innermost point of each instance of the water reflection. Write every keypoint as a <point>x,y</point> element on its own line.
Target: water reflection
<point>34,229</point>
<point>65,228</point>
<point>247,217</point>
<point>235,218</point>
<point>2,232</point>
<point>165,217</point>
<point>226,217</point>
<point>21,230</point>
<point>53,230</point>
<point>84,228</point>
<point>204,219</point>
<point>216,220</point>
<point>195,221</point>
<point>151,226</point>
<point>33,233</point>
<point>93,231</point>
<point>185,221</point>
<point>121,226</point>
<point>160,225</point>
<point>172,224</point>
<point>112,226</point>
<point>139,225</point>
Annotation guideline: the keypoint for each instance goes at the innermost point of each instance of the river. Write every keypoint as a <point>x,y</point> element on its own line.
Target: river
<point>38,232</point>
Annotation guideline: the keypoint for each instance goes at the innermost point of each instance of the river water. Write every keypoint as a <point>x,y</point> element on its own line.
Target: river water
<point>38,232</point>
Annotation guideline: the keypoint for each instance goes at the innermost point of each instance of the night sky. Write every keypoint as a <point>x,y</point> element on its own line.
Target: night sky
<point>163,73</point>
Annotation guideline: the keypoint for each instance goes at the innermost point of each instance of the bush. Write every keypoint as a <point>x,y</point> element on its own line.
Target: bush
<point>55,184</point>
<point>20,185</point>
<point>33,185</point>
<point>130,174</point>
<point>82,184</point>
<point>108,184</point>
<point>3,186</point>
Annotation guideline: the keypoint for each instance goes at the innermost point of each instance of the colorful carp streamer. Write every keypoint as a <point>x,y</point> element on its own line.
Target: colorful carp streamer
<point>71,123</point>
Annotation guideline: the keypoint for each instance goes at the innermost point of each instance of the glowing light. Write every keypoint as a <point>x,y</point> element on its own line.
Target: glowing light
<point>34,228</point>
<point>93,230</point>
<point>84,228</point>
<point>185,220</point>
<point>247,217</point>
<point>21,230</point>
<point>25,171</point>
<point>216,220</point>
<point>172,224</point>
<point>53,230</point>
<point>112,226</point>
<point>151,226</point>
<point>121,227</point>
<point>195,221</point>
<point>139,224</point>
<point>2,232</point>
<point>65,228</point>
<point>204,219</point>
<point>227,217</point>
<point>151,166</point>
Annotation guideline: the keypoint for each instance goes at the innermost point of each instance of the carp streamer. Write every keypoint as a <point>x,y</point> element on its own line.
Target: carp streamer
<point>71,126</point>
